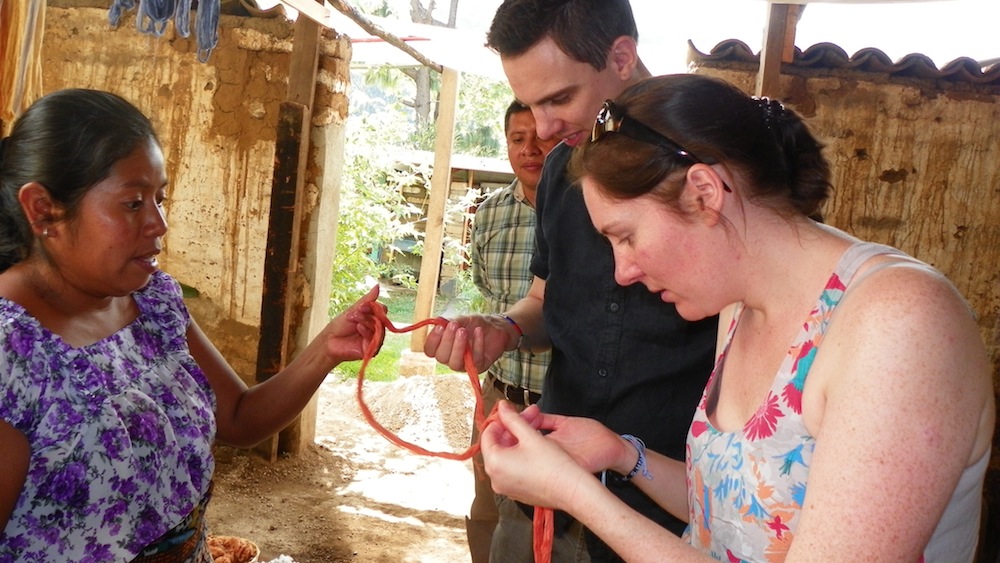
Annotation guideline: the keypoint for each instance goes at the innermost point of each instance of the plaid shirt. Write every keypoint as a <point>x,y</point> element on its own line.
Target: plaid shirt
<point>503,240</point>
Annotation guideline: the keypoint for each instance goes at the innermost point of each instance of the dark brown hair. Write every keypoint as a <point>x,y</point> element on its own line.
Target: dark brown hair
<point>769,150</point>
<point>584,29</point>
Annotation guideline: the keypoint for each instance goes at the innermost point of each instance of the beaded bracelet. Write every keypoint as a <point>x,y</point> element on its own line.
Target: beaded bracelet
<point>640,464</point>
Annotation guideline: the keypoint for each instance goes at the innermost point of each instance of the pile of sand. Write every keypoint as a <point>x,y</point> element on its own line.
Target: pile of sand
<point>434,412</point>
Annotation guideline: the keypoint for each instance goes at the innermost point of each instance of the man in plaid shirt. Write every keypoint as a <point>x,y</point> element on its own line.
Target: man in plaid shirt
<point>503,240</point>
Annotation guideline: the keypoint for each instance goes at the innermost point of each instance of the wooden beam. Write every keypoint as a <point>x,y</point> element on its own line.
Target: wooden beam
<point>288,167</point>
<point>304,64</point>
<point>302,76</point>
<point>276,338</point>
<point>370,27</point>
<point>778,47</point>
<point>315,10</point>
<point>280,305</point>
<point>430,262</point>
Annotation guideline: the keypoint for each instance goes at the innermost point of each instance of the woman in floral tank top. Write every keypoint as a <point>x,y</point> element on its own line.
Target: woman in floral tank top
<point>110,395</point>
<point>850,412</point>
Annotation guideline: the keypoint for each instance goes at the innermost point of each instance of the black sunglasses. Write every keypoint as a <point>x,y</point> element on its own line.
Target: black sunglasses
<point>611,119</point>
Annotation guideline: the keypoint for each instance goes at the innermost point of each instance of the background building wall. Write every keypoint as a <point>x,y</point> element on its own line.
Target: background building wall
<point>217,125</point>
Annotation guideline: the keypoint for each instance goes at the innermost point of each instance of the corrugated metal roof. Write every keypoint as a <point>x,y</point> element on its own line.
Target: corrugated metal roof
<point>827,56</point>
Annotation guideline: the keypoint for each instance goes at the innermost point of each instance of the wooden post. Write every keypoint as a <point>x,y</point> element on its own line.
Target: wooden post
<point>430,262</point>
<point>778,47</point>
<point>304,64</point>
<point>280,320</point>
<point>276,337</point>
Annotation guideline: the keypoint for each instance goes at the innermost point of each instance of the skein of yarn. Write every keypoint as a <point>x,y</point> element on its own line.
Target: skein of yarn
<point>182,18</point>
<point>152,17</point>
<point>207,27</point>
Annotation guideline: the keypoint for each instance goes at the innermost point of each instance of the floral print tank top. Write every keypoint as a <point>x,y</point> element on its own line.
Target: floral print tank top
<point>745,488</point>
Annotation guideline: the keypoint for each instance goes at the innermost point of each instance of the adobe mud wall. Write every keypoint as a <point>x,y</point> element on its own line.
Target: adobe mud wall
<point>217,125</point>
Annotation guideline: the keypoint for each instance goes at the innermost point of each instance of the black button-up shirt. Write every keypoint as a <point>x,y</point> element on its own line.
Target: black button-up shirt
<point>620,354</point>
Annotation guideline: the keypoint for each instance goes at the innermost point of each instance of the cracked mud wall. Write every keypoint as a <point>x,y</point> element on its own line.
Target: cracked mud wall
<point>217,125</point>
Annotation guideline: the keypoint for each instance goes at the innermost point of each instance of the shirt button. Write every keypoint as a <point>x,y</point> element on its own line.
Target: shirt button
<point>602,372</point>
<point>614,307</point>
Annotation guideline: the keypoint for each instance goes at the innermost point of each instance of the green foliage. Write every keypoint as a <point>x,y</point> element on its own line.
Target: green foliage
<point>379,8</point>
<point>400,302</point>
<point>373,212</point>
<point>384,366</point>
<point>457,212</point>
<point>467,298</point>
<point>482,103</point>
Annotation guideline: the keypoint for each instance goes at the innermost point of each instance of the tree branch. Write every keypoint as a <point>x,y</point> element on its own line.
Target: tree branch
<point>367,25</point>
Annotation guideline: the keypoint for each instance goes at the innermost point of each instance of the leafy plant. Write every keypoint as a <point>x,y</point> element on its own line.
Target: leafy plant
<point>385,366</point>
<point>375,217</point>
<point>373,212</point>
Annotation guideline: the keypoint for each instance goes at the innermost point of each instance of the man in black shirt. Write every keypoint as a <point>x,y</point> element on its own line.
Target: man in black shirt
<point>619,354</point>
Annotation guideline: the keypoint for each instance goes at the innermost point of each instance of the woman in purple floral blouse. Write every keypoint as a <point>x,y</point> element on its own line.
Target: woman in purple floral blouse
<point>111,396</point>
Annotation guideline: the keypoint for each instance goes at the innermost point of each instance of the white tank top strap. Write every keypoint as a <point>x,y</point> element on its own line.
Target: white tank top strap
<point>859,253</point>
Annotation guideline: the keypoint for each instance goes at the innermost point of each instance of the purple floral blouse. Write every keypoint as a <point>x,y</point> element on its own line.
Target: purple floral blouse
<point>120,432</point>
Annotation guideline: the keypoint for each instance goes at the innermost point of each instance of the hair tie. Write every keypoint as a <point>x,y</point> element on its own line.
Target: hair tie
<point>772,109</point>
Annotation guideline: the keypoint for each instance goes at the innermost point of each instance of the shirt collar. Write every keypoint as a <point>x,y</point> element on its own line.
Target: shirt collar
<point>518,193</point>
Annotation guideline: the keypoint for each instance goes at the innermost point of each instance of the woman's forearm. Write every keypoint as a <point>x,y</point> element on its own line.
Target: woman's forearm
<point>668,486</point>
<point>631,535</point>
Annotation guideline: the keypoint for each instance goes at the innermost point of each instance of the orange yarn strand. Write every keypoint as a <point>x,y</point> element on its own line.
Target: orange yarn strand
<point>479,419</point>
<point>543,523</point>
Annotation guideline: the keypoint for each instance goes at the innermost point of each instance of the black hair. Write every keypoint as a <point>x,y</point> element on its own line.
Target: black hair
<point>67,141</point>
<point>767,146</point>
<point>514,107</point>
<point>584,29</point>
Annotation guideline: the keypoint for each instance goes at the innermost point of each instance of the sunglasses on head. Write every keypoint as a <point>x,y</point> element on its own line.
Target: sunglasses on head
<point>611,119</point>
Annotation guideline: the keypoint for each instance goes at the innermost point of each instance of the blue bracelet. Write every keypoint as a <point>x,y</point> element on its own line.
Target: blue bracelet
<point>517,327</point>
<point>640,464</point>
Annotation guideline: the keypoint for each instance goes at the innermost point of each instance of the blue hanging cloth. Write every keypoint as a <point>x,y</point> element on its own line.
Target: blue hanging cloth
<point>152,17</point>
<point>207,27</point>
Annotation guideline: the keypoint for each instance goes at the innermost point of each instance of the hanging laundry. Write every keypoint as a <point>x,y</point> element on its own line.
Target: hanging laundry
<point>207,27</point>
<point>152,17</point>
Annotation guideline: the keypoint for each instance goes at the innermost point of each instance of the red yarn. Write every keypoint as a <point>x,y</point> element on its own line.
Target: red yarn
<point>542,525</point>
<point>543,530</point>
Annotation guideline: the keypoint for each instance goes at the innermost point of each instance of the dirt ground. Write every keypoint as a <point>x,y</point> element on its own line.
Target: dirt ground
<point>355,496</point>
